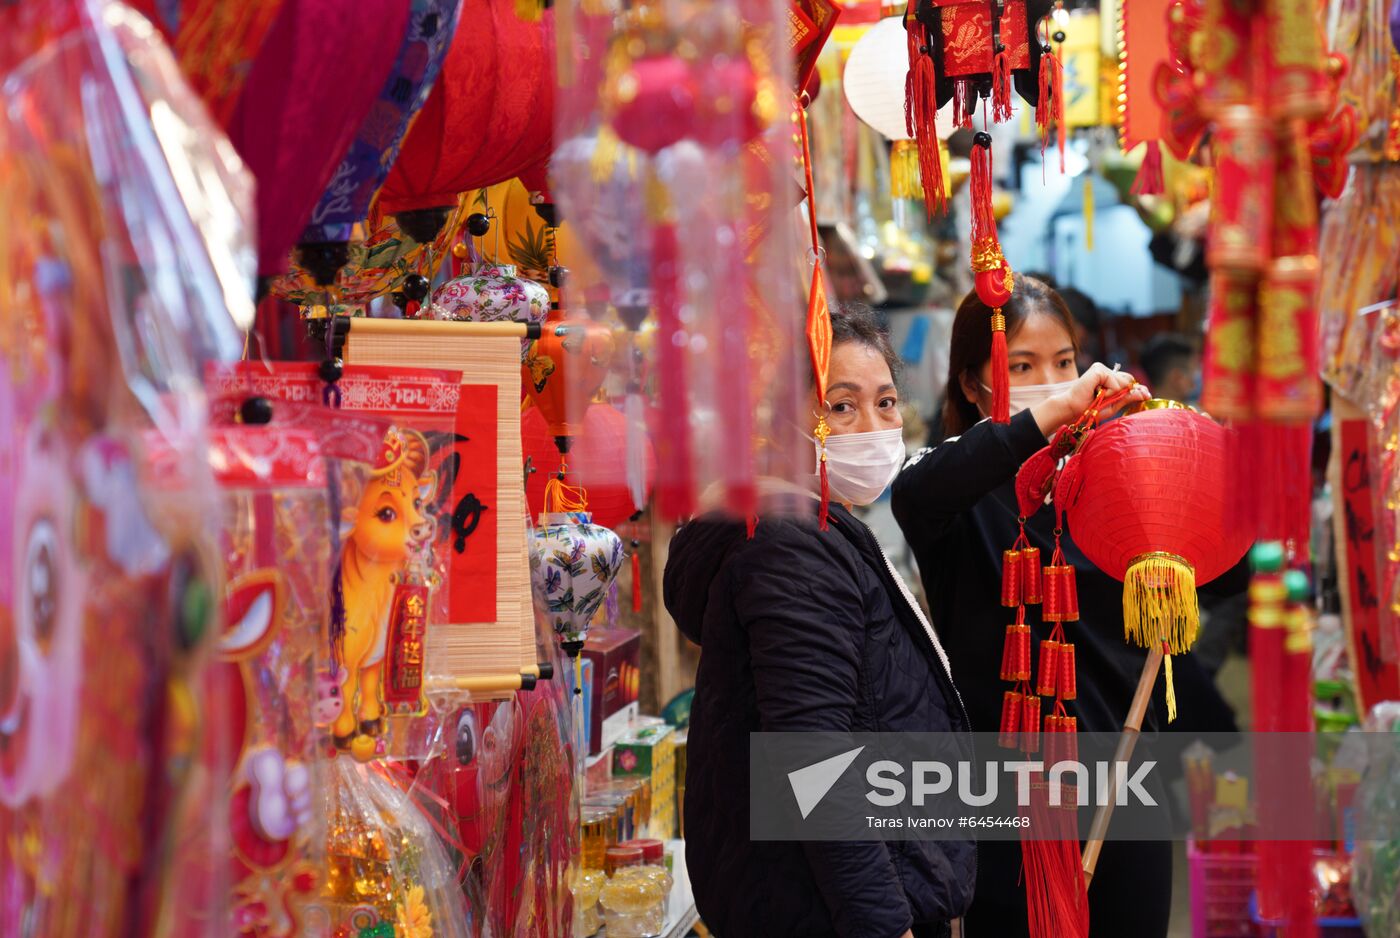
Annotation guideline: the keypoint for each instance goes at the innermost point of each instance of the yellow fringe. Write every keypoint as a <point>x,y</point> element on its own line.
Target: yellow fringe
<point>529,11</point>
<point>905,180</point>
<point>560,497</point>
<point>1159,603</point>
<point>1171,689</point>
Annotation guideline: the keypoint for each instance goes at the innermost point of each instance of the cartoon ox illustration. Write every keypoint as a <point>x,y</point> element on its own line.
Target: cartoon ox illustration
<point>389,528</point>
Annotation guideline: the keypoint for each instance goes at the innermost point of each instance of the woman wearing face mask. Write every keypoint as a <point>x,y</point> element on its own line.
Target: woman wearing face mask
<point>956,505</point>
<point>809,630</point>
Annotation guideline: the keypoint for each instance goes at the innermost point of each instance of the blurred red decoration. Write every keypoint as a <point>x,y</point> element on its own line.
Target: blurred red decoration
<point>563,347</point>
<point>1154,481</point>
<point>601,449</point>
<point>490,117</point>
<point>655,103</point>
<point>316,77</point>
<point>215,41</point>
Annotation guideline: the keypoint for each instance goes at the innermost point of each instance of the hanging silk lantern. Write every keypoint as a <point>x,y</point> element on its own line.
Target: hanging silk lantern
<point>215,42</point>
<point>489,117</point>
<point>491,293</point>
<point>599,456</point>
<point>573,562</point>
<point>576,353</point>
<point>1146,500</point>
<point>314,81</point>
<point>431,24</point>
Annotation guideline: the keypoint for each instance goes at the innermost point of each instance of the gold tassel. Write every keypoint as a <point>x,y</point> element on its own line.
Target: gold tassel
<point>529,11</point>
<point>905,181</point>
<point>1159,603</point>
<point>1089,211</point>
<point>1171,688</point>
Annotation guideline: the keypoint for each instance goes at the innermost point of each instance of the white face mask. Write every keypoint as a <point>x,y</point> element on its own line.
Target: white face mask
<point>1028,395</point>
<point>859,466</point>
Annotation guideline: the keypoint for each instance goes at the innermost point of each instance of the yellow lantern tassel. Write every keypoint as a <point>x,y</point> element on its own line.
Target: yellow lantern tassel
<point>1171,688</point>
<point>529,11</point>
<point>1089,211</point>
<point>905,181</point>
<point>1159,603</point>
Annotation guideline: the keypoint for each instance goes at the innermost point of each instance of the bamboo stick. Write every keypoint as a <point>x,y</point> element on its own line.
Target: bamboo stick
<point>364,325</point>
<point>1132,728</point>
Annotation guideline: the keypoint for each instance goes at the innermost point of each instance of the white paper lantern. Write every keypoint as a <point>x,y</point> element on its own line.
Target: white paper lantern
<point>874,81</point>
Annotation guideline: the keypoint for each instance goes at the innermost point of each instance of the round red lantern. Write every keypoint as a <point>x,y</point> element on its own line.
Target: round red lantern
<point>598,462</point>
<point>1146,501</point>
<point>489,117</point>
<point>653,102</point>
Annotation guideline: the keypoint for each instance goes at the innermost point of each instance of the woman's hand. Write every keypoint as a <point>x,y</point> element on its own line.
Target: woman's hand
<point>1058,410</point>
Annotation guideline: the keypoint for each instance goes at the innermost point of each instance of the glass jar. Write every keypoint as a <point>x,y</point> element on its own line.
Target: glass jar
<point>654,861</point>
<point>600,831</point>
<point>634,898</point>
<point>586,886</point>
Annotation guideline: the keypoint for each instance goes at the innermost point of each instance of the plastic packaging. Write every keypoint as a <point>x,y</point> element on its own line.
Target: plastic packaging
<point>127,266</point>
<point>1376,863</point>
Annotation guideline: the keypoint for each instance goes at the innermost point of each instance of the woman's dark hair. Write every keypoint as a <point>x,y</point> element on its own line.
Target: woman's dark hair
<point>856,322</point>
<point>971,345</point>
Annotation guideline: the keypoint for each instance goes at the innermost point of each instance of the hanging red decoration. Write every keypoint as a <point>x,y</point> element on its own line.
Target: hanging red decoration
<point>314,80</point>
<point>992,275</point>
<point>601,455</point>
<point>489,117</point>
<point>579,346</point>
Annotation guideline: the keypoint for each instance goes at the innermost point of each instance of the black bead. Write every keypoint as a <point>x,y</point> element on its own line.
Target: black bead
<point>1000,48</point>
<point>399,299</point>
<point>415,287</point>
<point>478,224</point>
<point>1059,35</point>
<point>255,411</point>
<point>923,50</point>
<point>330,371</point>
<point>982,139</point>
<point>557,276</point>
<point>1044,50</point>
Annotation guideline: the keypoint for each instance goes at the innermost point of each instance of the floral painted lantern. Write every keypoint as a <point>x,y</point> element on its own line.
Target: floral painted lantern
<point>573,562</point>
<point>491,293</point>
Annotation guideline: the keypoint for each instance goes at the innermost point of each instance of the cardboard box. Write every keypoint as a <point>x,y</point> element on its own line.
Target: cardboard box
<point>615,655</point>
<point>650,752</point>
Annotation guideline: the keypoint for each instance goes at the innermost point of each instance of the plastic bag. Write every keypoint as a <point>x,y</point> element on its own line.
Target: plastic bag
<point>1376,863</point>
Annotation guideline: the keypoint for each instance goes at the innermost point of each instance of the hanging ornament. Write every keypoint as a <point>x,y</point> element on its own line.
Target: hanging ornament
<point>573,563</point>
<point>600,455</point>
<point>993,277</point>
<point>491,293</point>
<point>569,354</point>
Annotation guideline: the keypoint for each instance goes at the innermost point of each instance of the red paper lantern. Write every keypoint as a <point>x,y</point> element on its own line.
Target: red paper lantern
<point>316,77</point>
<point>570,357</point>
<point>490,117</point>
<point>600,458</point>
<point>654,103</point>
<point>1146,502</point>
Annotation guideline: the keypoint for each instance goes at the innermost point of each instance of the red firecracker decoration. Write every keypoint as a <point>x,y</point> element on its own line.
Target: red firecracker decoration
<point>992,274</point>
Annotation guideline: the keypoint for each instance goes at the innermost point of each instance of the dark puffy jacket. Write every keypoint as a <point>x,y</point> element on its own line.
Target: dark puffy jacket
<point>804,630</point>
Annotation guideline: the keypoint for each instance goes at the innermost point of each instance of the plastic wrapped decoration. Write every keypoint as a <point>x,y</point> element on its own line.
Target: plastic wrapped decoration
<point>1277,135</point>
<point>125,252</point>
<point>345,202</point>
<point>389,597</point>
<point>1382,392</point>
<point>676,172</point>
<point>387,871</point>
<point>1376,862</point>
<point>215,42</point>
<point>489,118</point>
<point>315,79</point>
<point>269,661</point>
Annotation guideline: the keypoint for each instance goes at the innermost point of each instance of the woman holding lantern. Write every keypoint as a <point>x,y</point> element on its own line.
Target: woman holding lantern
<point>808,628</point>
<point>957,507</point>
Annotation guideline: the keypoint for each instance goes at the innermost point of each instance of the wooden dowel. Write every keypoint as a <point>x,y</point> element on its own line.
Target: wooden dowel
<point>363,325</point>
<point>1132,729</point>
<point>487,684</point>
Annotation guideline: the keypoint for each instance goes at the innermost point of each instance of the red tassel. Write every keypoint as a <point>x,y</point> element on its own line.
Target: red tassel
<point>1030,723</point>
<point>984,222</point>
<point>924,85</point>
<point>824,511</point>
<point>752,524</point>
<point>1001,373</point>
<point>674,489</point>
<point>1001,87</point>
<point>964,103</point>
<point>1030,575</point>
<point>1010,719</point>
<point>1011,578</point>
<point>1053,608</point>
<point>1070,595</point>
<point>1049,668</point>
<point>1065,687</point>
<point>1050,108</point>
<point>1149,176</point>
<point>636,579</point>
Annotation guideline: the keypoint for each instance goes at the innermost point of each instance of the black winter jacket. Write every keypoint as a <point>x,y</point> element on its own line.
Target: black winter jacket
<point>802,629</point>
